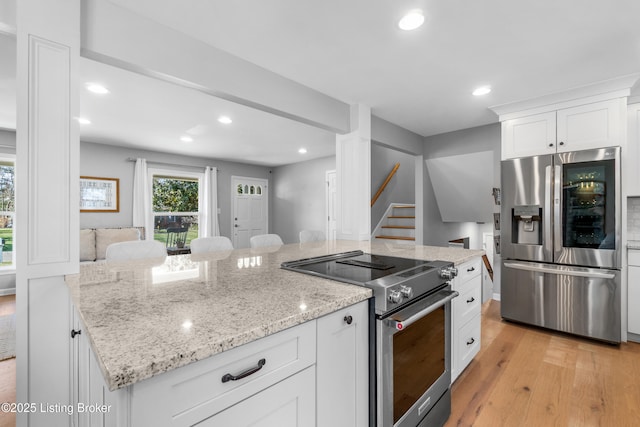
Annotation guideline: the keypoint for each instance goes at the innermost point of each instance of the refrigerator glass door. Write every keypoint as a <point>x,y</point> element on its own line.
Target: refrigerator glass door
<point>587,223</point>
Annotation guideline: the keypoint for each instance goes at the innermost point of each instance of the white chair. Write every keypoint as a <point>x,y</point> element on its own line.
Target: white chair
<point>311,236</point>
<point>262,240</point>
<point>210,244</point>
<point>138,249</point>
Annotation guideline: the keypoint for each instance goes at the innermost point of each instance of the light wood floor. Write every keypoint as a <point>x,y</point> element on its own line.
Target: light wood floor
<point>525,376</point>
<point>7,369</point>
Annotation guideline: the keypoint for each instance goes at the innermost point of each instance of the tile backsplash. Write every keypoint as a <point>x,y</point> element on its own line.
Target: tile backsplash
<point>633,218</point>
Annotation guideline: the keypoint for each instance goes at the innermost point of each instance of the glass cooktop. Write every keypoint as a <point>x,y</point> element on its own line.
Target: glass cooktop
<point>357,268</point>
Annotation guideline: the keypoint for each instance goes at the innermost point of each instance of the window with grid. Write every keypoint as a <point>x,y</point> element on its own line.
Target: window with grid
<point>176,206</point>
<point>7,212</point>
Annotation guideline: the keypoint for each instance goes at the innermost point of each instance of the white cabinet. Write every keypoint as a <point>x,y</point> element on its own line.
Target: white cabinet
<point>633,293</point>
<point>466,317</point>
<point>582,127</point>
<point>342,368</point>
<point>631,159</point>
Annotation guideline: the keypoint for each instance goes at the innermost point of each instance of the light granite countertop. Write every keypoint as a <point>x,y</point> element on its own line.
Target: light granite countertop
<point>142,320</point>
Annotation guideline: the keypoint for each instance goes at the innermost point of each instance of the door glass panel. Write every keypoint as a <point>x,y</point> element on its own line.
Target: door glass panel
<point>588,217</point>
<point>418,360</point>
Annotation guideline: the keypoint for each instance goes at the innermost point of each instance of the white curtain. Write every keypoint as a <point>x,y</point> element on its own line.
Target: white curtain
<point>142,199</point>
<point>210,225</point>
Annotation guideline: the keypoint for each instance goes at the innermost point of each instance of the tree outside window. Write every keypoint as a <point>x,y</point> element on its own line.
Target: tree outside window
<point>7,211</point>
<point>175,204</point>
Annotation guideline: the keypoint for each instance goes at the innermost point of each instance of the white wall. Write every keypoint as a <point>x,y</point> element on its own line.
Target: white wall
<point>111,161</point>
<point>401,188</point>
<point>466,141</point>
<point>298,194</point>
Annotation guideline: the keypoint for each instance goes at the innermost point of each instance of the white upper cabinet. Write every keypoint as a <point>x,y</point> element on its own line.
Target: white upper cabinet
<point>529,136</point>
<point>631,159</point>
<point>581,127</point>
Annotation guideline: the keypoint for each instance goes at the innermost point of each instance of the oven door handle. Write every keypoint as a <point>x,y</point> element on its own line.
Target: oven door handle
<point>406,317</point>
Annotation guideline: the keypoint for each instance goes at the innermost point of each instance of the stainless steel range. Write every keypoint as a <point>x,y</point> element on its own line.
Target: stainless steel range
<point>411,335</point>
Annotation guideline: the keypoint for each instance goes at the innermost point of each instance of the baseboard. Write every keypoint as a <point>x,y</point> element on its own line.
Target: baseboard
<point>496,297</point>
<point>633,337</point>
<point>8,291</point>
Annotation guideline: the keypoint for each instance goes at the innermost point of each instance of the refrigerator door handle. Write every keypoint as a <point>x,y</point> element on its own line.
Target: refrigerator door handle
<point>548,208</point>
<point>556,270</point>
<point>557,208</point>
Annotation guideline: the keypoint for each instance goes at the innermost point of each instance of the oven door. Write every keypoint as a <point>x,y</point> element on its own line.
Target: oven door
<point>414,360</point>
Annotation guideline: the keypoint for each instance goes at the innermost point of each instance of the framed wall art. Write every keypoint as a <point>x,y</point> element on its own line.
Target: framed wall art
<point>99,194</point>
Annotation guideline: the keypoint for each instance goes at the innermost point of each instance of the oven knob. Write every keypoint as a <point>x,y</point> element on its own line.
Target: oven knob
<point>406,291</point>
<point>446,273</point>
<point>454,272</point>
<point>395,297</point>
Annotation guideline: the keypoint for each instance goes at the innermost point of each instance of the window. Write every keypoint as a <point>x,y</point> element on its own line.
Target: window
<point>176,205</point>
<point>7,211</point>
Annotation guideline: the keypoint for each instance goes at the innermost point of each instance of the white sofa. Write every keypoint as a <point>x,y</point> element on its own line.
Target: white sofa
<point>94,241</point>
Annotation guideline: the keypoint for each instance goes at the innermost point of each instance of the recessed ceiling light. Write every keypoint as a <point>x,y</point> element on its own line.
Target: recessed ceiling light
<point>224,119</point>
<point>84,121</point>
<point>186,138</point>
<point>97,88</point>
<point>412,20</point>
<point>302,150</point>
<point>482,90</point>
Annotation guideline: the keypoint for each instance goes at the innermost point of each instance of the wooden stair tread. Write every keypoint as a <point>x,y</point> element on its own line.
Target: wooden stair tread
<point>406,227</point>
<point>404,207</point>
<point>396,237</point>
<point>396,216</point>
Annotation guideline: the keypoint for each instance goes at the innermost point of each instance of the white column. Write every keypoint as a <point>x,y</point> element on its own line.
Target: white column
<point>353,169</point>
<point>47,215</point>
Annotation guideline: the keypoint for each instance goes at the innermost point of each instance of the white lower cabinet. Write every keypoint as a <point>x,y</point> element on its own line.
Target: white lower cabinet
<point>297,384</point>
<point>465,319</point>
<point>342,368</point>
<point>633,293</point>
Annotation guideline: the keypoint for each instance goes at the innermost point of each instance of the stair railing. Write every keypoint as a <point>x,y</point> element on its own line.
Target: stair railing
<point>384,184</point>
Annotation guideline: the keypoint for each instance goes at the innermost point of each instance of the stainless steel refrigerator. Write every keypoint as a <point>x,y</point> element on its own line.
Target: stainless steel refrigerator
<point>560,242</point>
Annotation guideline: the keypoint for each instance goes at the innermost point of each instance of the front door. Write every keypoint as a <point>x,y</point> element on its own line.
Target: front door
<point>249,218</point>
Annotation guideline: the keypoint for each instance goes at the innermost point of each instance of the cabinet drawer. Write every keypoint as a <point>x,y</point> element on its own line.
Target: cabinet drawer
<point>196,392</point>
<point>468,304</point>
<point>469,270</point>
<point>468,342</point>
<point>633,256</point>
<point>289,403</point>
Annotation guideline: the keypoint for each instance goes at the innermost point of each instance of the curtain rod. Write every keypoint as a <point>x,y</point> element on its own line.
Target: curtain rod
<point>131,159</point>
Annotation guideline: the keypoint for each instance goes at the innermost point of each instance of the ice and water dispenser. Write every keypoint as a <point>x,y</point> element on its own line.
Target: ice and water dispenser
<point>526,225</point>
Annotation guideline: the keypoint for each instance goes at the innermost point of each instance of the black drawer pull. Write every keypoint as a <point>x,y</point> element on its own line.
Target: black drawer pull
<point>470,300</point>
<point>471,341</point>
<point>250,371</point>
<point>471,269</point>
<point>74,332</point>
<point>348,319</point>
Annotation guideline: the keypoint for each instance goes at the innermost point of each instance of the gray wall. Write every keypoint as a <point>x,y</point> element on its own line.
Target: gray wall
<point>394,136</point>
<point>466,141</point>
<point>111,161</point>
<point>401,188</point>
<point>7,146</point>
<point>298,197</point>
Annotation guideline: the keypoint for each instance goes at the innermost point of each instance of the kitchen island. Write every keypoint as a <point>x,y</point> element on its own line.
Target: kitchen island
<point>140,321</point>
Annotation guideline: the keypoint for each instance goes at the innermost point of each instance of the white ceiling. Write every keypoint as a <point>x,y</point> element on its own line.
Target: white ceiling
<point>353,51</point>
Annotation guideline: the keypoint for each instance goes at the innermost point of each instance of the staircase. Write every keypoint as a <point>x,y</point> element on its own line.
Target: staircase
<point>398,223</point>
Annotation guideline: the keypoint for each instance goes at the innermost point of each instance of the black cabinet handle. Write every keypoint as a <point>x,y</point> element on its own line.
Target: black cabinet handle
<point>561,142</point>
<point>470,300</point>
<point>348,319</point>
<point>471,341</point>
<point>471,269</point>
<point>250,371</point>
<point>74,332</point>
<point>551,144</point>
